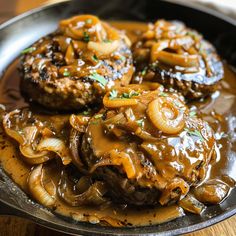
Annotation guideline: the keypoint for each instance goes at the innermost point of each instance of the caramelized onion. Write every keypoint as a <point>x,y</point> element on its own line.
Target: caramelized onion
<point>167,114</point>
<point>33,157</point>
<point>7,127</point>
<point>93,195</point>
<point>102,48</point>
<point>118,102</point>
<point>74,146</point>
<point>79,122</point>
<point>175,190</point>
<point>175,59</point>
<point>144,135</point>
<point>37,189</point>
<point>70,55</point>
<point>118,159</point>
<point>191,204</point>
<point>55,145</point>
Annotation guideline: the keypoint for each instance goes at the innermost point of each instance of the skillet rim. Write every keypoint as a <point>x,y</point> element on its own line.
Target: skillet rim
<point>15,210</point>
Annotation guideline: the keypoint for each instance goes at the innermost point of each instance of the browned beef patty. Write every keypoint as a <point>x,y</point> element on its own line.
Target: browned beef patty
<point>74,66</point>
<point>150,149</point>
<point>179,58</point>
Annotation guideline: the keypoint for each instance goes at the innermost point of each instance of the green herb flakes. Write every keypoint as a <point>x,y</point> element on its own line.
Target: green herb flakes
<point>130,94</point>
<point>113,94</point>
<point>95,76</point>
<point>140,122</point>
<point>28,50</point>
<point>125,95</point>
<point>98,116</point>
<point>122,58</point>
<point>192,113</point>
<point>86,37</point>
<point>94,57</point>
<point>85,113</point>
<point>144,72</point>
<point>194,133</point>
<point>162,94</point>
<point>66,73</point>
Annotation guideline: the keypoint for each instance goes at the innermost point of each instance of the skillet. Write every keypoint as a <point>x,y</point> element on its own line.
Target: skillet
<point>21,31</point>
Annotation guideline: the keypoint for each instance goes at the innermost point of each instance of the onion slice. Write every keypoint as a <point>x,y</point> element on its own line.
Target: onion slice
<point>167,114</point>
<point>117,159</point>
<point>93,195</point>
<point>102,48</point>
<point>36,188</point>
<point>58,146</point>
<point>118,102</point>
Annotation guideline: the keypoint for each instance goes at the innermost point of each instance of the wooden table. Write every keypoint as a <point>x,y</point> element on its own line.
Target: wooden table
<point>20,227</point>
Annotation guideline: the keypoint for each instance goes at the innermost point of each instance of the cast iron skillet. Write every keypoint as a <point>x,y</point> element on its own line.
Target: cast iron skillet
<point>20,32</point>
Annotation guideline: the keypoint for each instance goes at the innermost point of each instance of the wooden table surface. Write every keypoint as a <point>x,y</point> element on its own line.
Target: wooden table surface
<point>20,227</point>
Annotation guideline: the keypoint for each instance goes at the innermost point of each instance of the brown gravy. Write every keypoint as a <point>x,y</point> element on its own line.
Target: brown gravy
<point>218,110</point>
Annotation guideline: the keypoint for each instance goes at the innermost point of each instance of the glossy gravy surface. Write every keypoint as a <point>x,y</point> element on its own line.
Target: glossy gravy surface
<point>219,110</point>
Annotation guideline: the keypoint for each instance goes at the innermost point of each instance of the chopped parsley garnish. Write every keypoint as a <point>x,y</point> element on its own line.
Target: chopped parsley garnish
<point>192,113</point>
<point>162,94</point>
<point>140,122</point>
<point>195,133</point>
<point>88,21</point>
<point>95,76</point>
<point>98,116</point>
<point>179,105</point>
<point>125,95</point>
<point>87,112</point>
<point>66,73</point>
<point>130,94</point>
<point>122,58</point>
<point>94,57</point>
<point>144,72</point>
<point>28,50</point>
<point>113,94</point>
<point>86,37</point>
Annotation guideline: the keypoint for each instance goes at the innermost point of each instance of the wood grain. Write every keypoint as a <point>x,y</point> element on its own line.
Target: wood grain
<point>14,226</point>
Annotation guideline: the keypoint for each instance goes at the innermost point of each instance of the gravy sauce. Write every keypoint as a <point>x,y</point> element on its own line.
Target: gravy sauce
<point>219,110</point>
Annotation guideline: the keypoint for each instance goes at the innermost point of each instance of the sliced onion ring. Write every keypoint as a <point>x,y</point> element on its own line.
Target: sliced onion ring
<point>158,111</point>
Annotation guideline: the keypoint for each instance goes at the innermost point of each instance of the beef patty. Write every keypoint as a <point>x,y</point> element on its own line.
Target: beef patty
<point>147,146</point>
<point>177,57</point>
<point>74,66</point>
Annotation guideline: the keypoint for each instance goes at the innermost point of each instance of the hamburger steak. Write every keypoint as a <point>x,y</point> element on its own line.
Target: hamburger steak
<point>177,57</point>
<point>147,146</point>
<point>74,66</point>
